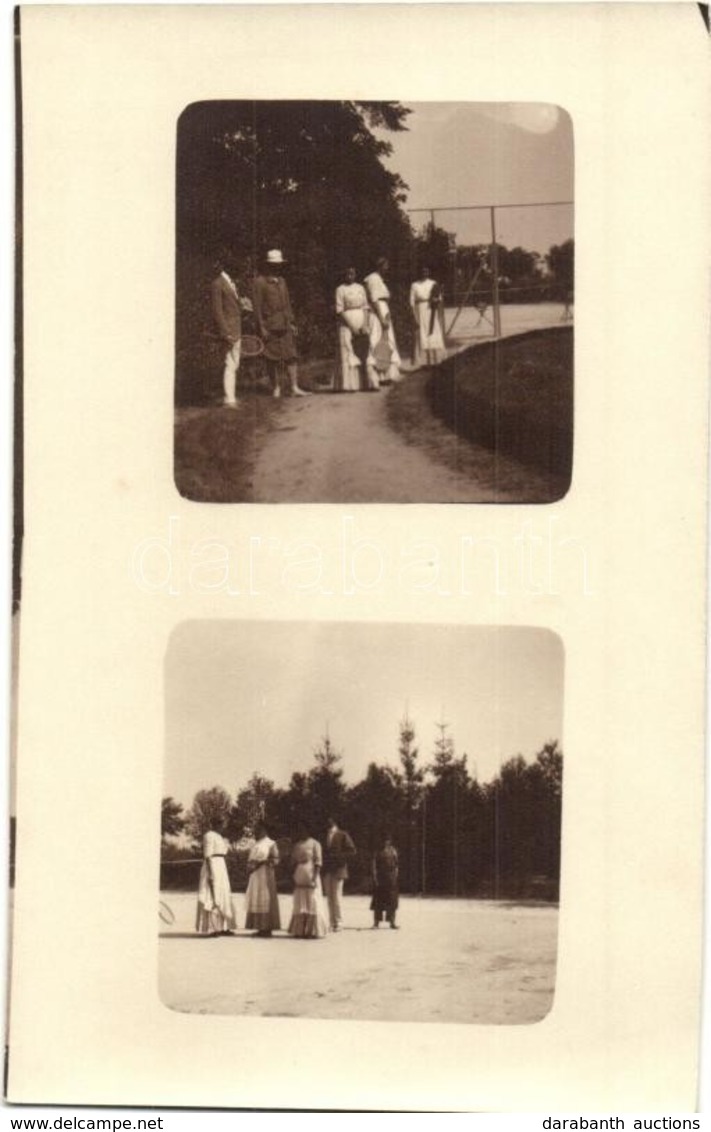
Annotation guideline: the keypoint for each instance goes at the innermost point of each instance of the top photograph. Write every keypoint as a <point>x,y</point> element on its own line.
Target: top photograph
<point>374,302</point>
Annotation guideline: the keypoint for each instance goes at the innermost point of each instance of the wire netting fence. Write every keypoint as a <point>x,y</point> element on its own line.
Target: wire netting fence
<point>502,268</point>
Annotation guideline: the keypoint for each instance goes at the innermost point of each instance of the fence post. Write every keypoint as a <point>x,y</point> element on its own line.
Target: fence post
<point>495,274</point>
<point>424,841</point>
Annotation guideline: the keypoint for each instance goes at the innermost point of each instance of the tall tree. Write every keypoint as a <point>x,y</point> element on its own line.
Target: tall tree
<point>446,809</point>
<point>412,787</point>
<point>295,805</point>
<point>211,809</point>
<point>172,820</point>
<point>546,775</point>
<point>443,757</point>
<point>561,265</point>
<point>436,249</point>
<point>521,274</point>
<point>252,804</point>
<point>526,800</point>
<point>327,757</point>
<point>307,177</point>
<point>325,783</point>
<point>374,807</point>
<point>500,838</point>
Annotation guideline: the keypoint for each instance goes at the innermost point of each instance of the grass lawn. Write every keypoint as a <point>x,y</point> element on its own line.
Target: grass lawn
<point>513,397</point>
<point>215,448</point>
<point>499,414</point>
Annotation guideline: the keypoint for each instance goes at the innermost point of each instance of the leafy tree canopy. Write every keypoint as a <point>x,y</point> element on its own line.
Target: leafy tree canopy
<point>251,805</point>
<point>210,810</point>
<point>172,821</point>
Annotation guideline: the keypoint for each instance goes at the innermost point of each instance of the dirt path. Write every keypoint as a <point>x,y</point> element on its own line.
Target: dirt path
<point>342,448</point>
<point>339,448</point>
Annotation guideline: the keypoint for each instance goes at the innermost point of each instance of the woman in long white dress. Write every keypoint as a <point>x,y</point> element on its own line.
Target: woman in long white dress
<point>427,311</point>
<point>384,359</point>
<point>215,907</point>
<point>353,330</point>
<point>261,897</point>
<point>307,918</point>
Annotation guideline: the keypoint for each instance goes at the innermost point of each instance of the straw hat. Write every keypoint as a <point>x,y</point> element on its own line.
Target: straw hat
<point>275,257</point>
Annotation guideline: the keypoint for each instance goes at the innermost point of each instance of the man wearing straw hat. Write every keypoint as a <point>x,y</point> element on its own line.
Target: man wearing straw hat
<point>275,323</point>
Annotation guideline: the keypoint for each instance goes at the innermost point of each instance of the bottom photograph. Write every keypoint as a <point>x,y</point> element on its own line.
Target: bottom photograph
<point>361,821</point>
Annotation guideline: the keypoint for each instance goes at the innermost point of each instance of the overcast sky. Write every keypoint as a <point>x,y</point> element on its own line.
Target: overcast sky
<point>255,696</point>
<point>483,153</point>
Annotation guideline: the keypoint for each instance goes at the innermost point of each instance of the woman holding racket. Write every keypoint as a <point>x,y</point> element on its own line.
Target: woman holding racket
<point>275,324</point>
<point>353,334</point>
<point>428,314</point>
<point>385,364</point>
<point>215,910</point>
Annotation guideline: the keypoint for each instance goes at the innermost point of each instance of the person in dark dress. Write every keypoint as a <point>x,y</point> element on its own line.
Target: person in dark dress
<point>385,884</point>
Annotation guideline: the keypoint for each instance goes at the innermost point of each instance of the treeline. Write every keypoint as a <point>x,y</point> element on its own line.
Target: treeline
<point>309,177</point>
<point>455,835</point>
<point>467,272</point>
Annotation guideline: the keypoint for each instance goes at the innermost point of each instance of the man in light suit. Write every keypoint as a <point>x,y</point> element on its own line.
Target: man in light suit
<point>227,312</point>
<point>337,851</point>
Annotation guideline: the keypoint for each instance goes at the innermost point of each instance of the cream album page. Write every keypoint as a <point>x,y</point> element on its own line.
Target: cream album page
<point>358,751</point>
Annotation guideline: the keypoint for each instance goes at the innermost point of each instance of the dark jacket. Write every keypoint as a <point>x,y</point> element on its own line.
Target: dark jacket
<point>274,318</point>
<point>226,309</point>
<point>338,853</point>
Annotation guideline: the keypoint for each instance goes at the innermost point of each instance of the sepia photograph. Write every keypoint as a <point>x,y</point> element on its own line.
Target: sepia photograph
<point>360,838</point>
<point>374,302</point>
<point>413,790</point>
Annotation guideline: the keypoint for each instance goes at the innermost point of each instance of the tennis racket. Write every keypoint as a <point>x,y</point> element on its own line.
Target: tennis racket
<point>166,913</point>
<point>251,346</point>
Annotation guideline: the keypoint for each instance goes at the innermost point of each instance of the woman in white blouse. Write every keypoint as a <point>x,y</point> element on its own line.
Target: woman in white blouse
<point>262,900</point>
<point>427,311</point>
<point>215,910</point>
<point>308,920</point>
<point>352,314</point>
<point>385,363</point>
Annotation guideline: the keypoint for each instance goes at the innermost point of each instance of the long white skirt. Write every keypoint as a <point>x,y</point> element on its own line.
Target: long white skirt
<point>385,364</point>
<point>429,349</point>
<point>262,901</point>
<point>215,908</point>
<point>349,366</point>
<point>348,375</point>
<point>307,917</point>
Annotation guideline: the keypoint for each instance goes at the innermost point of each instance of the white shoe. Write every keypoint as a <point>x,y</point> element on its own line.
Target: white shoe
<point>231,404</point>
<point>276,392</point>
<point>296,392</point>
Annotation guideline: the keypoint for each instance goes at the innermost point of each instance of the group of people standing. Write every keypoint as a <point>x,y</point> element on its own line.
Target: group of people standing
<point>368,355</point>
<point>318,876</point>
<point>274,320</point>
